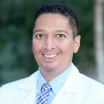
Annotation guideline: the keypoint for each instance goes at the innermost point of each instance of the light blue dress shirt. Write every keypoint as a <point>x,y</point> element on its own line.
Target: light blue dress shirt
<point>56,83</point>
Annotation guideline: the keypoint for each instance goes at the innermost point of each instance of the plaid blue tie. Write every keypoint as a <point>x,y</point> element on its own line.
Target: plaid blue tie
<point>45,93</point>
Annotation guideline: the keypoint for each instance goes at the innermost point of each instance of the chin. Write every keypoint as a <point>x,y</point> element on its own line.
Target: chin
<point>49,68</point>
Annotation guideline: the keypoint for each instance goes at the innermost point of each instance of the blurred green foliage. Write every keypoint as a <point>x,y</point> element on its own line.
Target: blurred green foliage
<point>16,24</point>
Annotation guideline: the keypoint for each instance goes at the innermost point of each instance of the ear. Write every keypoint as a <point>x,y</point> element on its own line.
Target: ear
<point>77,43</point>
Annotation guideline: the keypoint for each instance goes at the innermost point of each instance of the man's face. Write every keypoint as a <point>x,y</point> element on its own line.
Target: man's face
<point>53,43</point>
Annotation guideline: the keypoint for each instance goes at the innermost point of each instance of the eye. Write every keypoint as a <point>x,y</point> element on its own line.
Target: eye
<point>39,36</point>
<point>61,36</point>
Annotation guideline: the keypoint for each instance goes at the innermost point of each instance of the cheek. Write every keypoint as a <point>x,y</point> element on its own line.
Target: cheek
<point>35,48</point>
<point>67,48</point>
<point>67,54</point>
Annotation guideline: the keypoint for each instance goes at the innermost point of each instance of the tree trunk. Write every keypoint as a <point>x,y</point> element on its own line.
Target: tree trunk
<point>98,29</point>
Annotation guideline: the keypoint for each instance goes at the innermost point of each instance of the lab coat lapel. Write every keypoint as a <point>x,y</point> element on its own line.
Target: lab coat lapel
<point>30,99</point>
<point>30,86</point>
<point>69,93</point>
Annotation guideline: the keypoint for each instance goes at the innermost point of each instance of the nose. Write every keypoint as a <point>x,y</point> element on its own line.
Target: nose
<point>49,43</point>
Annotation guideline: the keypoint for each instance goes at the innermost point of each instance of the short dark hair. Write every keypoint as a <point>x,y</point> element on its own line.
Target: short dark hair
<point>63,10</point>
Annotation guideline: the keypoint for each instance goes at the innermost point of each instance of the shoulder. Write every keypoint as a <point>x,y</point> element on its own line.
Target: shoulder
<point>90,82</point>
<point>93,91</point>
<point>17,90</point>
<point>13,84</point>
<point>18,83</point>
<point>85,80</point>
<point>9,91</point>
<point>90,89</point>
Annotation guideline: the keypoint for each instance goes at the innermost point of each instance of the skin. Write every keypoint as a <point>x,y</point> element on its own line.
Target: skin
<point>53,44</point>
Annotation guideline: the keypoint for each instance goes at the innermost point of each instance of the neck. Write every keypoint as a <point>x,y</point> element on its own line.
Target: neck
<point>51,74</point>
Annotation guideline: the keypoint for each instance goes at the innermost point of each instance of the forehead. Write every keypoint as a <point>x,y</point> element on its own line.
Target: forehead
<point>52,16</point>
<point>52,20</point>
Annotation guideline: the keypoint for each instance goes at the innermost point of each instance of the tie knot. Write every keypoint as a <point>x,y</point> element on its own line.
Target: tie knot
<point>46,87</point>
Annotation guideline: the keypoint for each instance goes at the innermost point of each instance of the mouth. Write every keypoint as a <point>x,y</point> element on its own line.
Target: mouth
<point>51,57</point>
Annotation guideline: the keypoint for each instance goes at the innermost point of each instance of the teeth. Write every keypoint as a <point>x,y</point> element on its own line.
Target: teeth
<point>50,56</point>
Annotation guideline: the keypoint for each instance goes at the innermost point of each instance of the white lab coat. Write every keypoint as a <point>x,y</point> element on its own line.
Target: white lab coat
<point>77,89</point>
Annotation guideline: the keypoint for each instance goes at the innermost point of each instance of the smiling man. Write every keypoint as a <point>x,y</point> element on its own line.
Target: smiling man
<point>57,81</point>
<point>54,44</point>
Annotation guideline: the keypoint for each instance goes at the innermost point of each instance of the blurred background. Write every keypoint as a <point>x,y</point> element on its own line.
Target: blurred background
<point>16,24</point>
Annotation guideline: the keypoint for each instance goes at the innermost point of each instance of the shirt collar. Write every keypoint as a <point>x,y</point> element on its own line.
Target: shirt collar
<point>40,81</point>
<point>58,82</point>
<point>55,86</point>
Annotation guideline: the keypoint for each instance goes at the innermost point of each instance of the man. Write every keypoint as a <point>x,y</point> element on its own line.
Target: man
<point>58,81</point>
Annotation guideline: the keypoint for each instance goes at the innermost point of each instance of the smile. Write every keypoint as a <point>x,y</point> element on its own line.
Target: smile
<point>50,56</point>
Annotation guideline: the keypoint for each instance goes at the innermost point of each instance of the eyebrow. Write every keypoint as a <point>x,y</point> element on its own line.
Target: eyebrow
<point>38,30</point>
<point>61,31</point>
<point>41,30</point>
